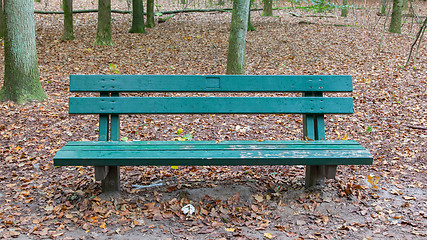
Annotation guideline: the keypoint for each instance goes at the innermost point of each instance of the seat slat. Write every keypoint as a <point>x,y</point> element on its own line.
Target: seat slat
<point>203,105</point>
<point>206,83</point>
<point>214,157</point>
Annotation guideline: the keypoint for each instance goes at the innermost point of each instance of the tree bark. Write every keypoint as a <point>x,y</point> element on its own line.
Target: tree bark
<point>2,20</point>
<point>237,39</point>
<point>267,9</point>
<point>21,72</point>
<point>103,33</point>
<point>150,14</point>
<point>396,17</point>
<point>344,10</point>
<point>68,33</point>
<point>138,25</point>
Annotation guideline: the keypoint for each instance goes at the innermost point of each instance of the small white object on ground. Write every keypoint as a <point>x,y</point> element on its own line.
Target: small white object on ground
<point>188,209</point>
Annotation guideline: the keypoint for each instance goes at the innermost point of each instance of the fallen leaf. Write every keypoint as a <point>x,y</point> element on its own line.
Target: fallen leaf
<point>409,198</point>
<point>259,198</point>
<point>103,225</point>
<point>269,235</point>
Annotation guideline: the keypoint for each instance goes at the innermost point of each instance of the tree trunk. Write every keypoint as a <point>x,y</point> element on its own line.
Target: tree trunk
<point>150,14</point>
<point>2,20</point>
<point>68,34</point>
<point>344,9</point>
<point>21,72</point>
<point>103,33</point>
<point>267,9</point>
<point>250,26</point>
<point>405,5</point>
<point>237,39</point>
<point>138,25</point>
<point>383,6</point>
<point>396,17</point>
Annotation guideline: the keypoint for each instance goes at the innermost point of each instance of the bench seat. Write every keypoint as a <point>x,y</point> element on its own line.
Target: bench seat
<point>168,153</point>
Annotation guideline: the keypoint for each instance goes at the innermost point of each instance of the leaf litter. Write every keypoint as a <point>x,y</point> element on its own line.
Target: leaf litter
<point>385,200</point>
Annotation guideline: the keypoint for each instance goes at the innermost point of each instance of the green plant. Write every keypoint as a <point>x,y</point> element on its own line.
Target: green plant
<point>113,68</point>
<point>369,129</point>
<point>158,6</point>
<point>318,5</point>
<point>182,137</point>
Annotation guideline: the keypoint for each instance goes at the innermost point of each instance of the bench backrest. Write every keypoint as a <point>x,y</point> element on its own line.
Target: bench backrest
<point>109,105</point>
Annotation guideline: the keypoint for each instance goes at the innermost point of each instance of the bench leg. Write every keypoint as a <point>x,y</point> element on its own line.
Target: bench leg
<point>101,172</point>
<point>111,182</point>
<point>314,175</point>
<point>330,171</point>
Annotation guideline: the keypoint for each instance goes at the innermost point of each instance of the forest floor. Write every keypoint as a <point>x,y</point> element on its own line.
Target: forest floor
<point>387,200</point>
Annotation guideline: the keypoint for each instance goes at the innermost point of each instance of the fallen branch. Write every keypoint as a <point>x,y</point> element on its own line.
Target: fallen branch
<point>81,11</point>
<point>417,127</point>
<point>155,184</point>
<point>335,25</point>
<point>294,14</point>
<point>162,20</point>
<point>128,12</point>
<point>403,15</point>
<point>319,16</point>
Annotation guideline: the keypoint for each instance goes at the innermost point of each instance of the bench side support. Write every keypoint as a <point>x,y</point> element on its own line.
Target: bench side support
<point>330,170</point>
<point>314,175</point>
<point>103,135</point>
<point>314,128</point>
<point>109,130</point>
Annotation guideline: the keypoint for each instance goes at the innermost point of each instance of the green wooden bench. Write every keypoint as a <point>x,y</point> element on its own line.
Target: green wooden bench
<point>107,155</point>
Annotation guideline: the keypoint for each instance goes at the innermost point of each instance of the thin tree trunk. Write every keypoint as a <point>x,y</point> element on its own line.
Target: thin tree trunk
<point>150,14</point>
<point>382,35</point>
<point>417,40</point>
<point>103,33</point>
<point>2,20</point>
<point>21,72</point>
<point>405,5</point>
<point>250,26</point>
<point>237,39</point>
<point>138,25</point>
<point>344,9</point>
<point>267,9</point>
<point>68,33</point>
<point>383,6</point>
<point>396,17</point>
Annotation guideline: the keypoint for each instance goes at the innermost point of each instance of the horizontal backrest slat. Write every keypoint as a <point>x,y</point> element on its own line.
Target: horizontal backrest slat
<point>238,105</point>
<point>213,83</point>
